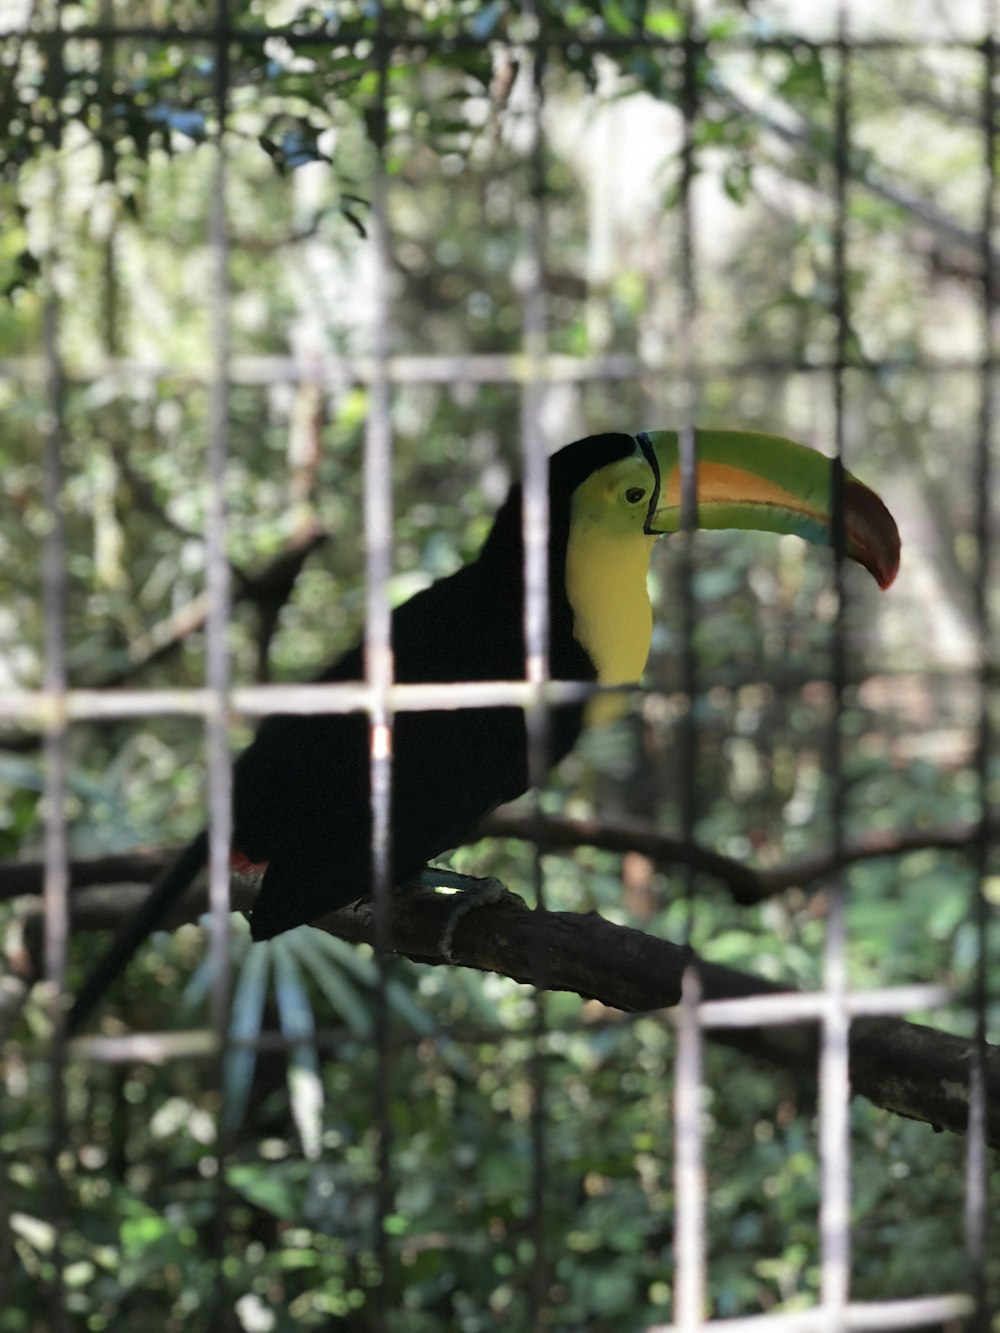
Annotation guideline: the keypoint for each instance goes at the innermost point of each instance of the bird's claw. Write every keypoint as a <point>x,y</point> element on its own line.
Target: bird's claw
<point>474,892</point>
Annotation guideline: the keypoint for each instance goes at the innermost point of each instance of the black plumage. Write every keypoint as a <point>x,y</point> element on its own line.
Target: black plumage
<point>301,791</point>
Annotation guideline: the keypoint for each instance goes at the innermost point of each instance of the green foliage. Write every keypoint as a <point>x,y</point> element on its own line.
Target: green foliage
<point>106,193</point>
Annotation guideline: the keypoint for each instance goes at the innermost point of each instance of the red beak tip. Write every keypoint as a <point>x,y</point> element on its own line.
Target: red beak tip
<point>885,570</point>
<point>875,532</point>
<point>887,578</point>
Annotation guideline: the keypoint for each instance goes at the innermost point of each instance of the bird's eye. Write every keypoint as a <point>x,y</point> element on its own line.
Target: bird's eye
<point>634,494</point>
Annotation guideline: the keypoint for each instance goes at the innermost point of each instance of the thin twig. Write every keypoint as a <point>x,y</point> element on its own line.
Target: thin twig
<point>747,885</point>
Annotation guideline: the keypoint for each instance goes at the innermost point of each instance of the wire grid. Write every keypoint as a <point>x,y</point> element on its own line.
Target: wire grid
<point>55,706</point>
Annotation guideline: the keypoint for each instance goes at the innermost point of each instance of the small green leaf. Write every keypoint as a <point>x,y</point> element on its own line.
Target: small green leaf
<point>275,1188</point>
<point>244,1025</point>
<point>328,974</point>
<point>298,1024</point>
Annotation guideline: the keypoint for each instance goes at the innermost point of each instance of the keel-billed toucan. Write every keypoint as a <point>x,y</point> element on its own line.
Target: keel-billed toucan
<point>301,790</point>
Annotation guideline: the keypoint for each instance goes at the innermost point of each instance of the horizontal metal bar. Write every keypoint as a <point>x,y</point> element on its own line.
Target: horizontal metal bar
<point>349,34</point>
<point>146,1048</point>
<point>748,1011</point>
<point>797,1007</point>
<point>484,368</point>
<point>859,1317</point>
<point>49,709</point>
<point>44,708</point>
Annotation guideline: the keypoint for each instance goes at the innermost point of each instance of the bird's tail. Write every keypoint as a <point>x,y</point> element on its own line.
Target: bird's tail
<point>166,891</point>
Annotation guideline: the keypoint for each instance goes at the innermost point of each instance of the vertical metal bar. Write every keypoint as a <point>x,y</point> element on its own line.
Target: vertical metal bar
<point>378,650</point>
<point>688,444</point>
<point>110,323</point>
<point>217,669</point>
<point>535,530</point>
<point>977,1171</point>
<point>216,564</point>
<point>54,672</point>
<point>834,1090</point>
<point>535,514</point>
<point>690,1284</point>
<point>690,1290</point>
<point>54,675</point>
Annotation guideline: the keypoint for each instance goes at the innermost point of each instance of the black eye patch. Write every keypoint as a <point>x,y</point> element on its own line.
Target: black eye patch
<point>646,445</point>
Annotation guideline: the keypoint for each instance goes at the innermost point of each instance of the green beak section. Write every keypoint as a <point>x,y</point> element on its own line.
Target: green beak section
<point>766,483</point>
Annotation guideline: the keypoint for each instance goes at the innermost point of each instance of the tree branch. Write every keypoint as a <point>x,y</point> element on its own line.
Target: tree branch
<point>910,1069</point>
<point>267,590</point>
<point>865,172</point>
<point>904,1067</point>
<point>747,885</point>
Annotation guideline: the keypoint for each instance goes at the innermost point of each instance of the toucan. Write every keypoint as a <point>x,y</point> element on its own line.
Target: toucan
<point>301,790</point>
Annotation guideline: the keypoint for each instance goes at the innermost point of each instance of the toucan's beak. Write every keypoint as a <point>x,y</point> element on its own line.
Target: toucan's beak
<point>764,482</point>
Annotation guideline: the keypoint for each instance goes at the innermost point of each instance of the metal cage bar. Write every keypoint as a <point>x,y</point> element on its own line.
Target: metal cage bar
<point>834,1088</point>
<point>345,34</point>
<point>531,54</point>
<point>218,591</point>
<point>55,706</point>
<point>690,1240</point>
<point>217,578</point>
<point>55,677</point>
<point>977,1167</point>
<point>378,448</point>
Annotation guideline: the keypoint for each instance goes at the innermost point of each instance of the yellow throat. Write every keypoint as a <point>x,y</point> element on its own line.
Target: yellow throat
<point>612,617</point>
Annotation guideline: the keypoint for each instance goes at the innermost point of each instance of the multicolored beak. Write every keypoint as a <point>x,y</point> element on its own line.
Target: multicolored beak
<point>766,483</point>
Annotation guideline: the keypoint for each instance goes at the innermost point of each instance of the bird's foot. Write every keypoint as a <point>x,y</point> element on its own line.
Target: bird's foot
<point>475,892</point>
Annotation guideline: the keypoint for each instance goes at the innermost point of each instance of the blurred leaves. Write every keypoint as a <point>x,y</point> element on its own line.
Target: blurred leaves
<point>129,206</point>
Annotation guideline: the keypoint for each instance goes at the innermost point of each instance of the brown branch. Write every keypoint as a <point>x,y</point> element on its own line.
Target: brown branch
<point>747,885</point>
<point>268,590</point>
<point>865,172</point>
<point>904,1067</point>
<point>144,495</point>
<point>271,589</point>
<point>559,833</point>
<point>159,642</point>
<point>20,879</point>
<point>805,870</point>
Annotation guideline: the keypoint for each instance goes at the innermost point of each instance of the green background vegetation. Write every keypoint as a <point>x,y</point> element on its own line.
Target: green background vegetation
<point>106,190</point>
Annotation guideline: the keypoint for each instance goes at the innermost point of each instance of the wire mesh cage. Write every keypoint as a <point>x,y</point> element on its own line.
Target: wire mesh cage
<point>292,299</point>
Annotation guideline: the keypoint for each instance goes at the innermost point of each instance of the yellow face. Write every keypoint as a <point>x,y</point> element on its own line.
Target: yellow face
<point>606,564</point>
<point>615,499</point>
